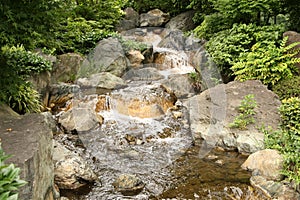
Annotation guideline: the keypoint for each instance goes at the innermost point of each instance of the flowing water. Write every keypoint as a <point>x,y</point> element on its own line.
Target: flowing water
<point>146,133</point>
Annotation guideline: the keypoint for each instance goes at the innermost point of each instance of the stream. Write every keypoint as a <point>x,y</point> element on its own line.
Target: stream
<point>146,133</point>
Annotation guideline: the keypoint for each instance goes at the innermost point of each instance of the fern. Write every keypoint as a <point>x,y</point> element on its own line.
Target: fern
<point>267,63</point>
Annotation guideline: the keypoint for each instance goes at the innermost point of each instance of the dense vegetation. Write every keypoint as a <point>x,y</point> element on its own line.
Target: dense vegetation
<point>244,39</point>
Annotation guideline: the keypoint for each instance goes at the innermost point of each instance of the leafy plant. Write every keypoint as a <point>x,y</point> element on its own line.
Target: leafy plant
<point>287,139</point>
<point>247,112</point>
<point>287,88</point>
<point>226,46</point>
<point>267,63</point>
<point>10,181</point>
<point>131,44</point>
<point>17,65</point>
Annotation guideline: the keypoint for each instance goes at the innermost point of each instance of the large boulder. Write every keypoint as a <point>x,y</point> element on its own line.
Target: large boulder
<point>29,139</point>
<point>70,170</point>
<point>267,163</point>
<point>215,109</point>
<point>79,119</point>
<point>135,58</point>
<point>292,38</point>
<point>108,56</point>
<point>143,74</point>
<point>103,80</point>
<point>183,21</point>
<point>180,84</point>
<point>154,18</point>
<point>130,21</point>
<point>66,67</point>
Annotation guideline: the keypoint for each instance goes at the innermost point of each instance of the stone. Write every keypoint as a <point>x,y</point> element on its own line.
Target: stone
<point>79,119</point>
<point>183,21</point>
<point>29,140</point>
<point>107,56</point>
<point>66,68</point>
<point>213,110</point>
<point>70,170</point>
<point>292,38</point>
<point>154,18</point>
<point>180,84</point>
<point>135,58</point>
<point>104,80</point>
<point>269,188</point>
<point>128,184</point>
<point>143,74</point>
<point>268,163</point>
<point>130,21</point>
<point>174,39</point>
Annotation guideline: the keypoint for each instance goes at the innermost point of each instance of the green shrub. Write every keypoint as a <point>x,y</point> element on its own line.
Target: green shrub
<point>246,110</point>
<point>267,63</point>
<point>10,181</point>
<point>287,88</point>
<point>226,46</point>
<point>287,140</point>
<point>131,44</point>
<point>80,35</point>
<point>17,65</point>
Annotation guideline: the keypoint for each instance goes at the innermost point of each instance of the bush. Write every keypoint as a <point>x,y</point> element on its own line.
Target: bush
<point>226,46</point>
<point>9,179</point>
<point>17,65</point>
<point>267,62</point>
<point>287,140</point>
<point>287,88</point>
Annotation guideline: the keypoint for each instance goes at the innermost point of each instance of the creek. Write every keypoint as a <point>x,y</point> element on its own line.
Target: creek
<point>146,133</point>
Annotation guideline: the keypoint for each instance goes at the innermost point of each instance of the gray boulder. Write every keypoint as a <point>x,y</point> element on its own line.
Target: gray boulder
<point>104,80</point>
<point>66,67</point>
<point>213,110</point>
<point>130,21</point>
<point>180,84</point>
<point>154,18</point>
<point>29,139</point>
<point>183,21</point>
<point>128,184</point>
<point>143,74</point>
<point>70,169</point>
<point>108,56</point>
<point>79,119</point>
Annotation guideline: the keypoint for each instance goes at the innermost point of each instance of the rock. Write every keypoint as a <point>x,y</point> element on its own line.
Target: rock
<point>128,184</point>
<point>183,21</point>
<point>150,101</point>
<point>79,119</point>
<point>70,170</point>
<point>30,142</point>
<point>135,58</point>
<point>268,163</point>
<point>130,21</point>
<point>213,110</point>
<point>59,94</point>
<point>66,68</point>
<point>292,38</point>
<point>104,80</point>
<point>180,84</point>
<point>108,56</point>
<point>269,188</point>
<point>176,40</point>
<point>154,18</point>
<point>143,74</point>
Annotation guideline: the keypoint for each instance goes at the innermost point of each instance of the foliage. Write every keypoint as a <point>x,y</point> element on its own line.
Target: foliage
<point>247,112</point>
<point>80,35</point>
<point>10,181</point>
<point>226,46</point>
<point>287,88</point>
<point>196,81</point>
<point>171,6</point>
<point>267,63</point>
<point>17,65</point>
<point>287,140</point>
<point>223,14</point>
<point>292,8</point>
